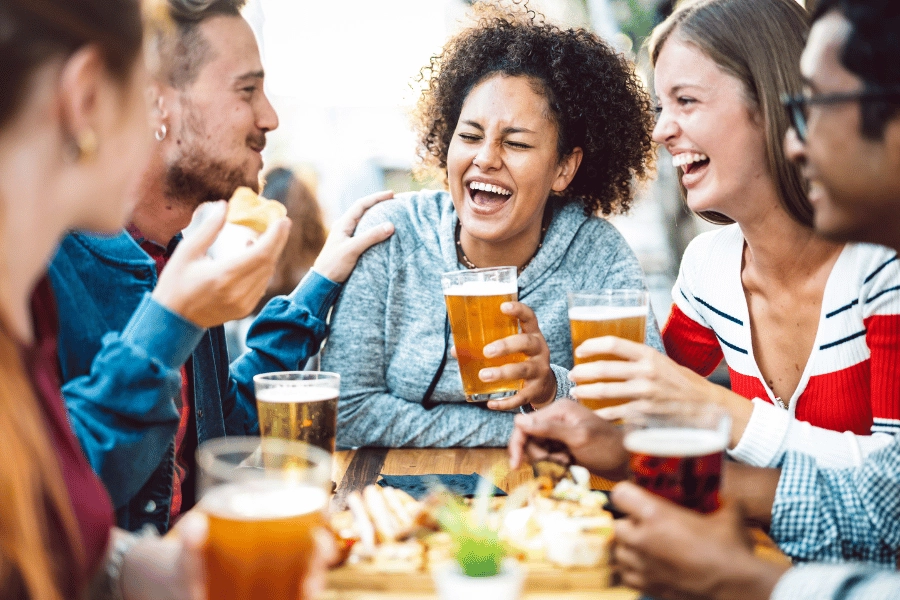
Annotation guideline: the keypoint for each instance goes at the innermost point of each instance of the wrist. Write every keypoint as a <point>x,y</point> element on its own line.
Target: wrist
<point>751,578</point>
<point>549,395</point>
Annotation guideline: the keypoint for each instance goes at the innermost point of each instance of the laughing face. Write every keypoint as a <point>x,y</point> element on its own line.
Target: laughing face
<point>502,165</point>
<point>717,142</point>
<point>853,181</point>
<point>220,120</point>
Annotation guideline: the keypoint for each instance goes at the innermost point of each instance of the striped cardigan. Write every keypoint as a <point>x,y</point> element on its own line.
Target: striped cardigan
<point>847,403</point>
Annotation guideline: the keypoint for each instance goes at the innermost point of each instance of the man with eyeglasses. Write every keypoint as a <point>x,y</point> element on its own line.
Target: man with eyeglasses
<point>846,137</point>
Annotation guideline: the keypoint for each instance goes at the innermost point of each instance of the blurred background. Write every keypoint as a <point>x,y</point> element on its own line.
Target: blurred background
<point>342,76</point>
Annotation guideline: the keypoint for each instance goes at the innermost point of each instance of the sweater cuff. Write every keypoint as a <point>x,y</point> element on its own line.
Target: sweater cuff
<point>164,335</point>
<point>316,293</point>
<point>762,443</point>
<point>563,385</point>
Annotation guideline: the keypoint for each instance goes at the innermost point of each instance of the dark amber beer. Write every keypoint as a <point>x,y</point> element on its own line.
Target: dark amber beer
<point>619,313</point>
<point>473,307</point>
<point>677,449</point>
<point>298,405</point>
<point>261,539</point>
<point>682,465</point>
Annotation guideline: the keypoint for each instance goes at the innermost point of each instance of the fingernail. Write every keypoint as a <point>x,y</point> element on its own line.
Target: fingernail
<point>506,306</point>
<point>486,374</point>
<point>492,405</point>
<point>387,227</point>
<point>490,350</point>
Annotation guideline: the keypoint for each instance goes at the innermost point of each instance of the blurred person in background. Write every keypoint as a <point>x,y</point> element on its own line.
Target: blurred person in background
<point>74,137</point>
<point>807,326</point>
<point>144,364</point>
<point>536,130</point>
<point>846,139</point>
<point>305,241</point>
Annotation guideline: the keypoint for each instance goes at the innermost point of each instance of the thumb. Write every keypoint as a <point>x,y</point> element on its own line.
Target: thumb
<point>273,240</point>
<point>193,529</point>
<point>365,240</point>
<point>196,244</point>
<point>637,502</point>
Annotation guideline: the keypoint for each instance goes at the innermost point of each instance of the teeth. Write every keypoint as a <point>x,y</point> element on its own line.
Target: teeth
<point>684,158</point>
<point>487,187</point>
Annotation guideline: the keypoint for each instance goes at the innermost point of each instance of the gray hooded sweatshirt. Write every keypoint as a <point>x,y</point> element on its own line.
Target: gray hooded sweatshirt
<point>387,336</point>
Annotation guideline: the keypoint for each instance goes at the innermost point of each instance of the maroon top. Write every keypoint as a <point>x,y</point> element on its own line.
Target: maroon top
<point>161,257</point>
<point>90,502</point>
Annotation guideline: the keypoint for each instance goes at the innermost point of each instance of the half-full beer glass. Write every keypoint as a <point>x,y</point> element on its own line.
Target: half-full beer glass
<point>298,405</point>
<point>621,313</point>
<point>473,301</point>
<point>676,451</point>
<point>264,509</point>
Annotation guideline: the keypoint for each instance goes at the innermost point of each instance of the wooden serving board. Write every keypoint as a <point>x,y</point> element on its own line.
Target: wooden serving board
<point>541,577</point>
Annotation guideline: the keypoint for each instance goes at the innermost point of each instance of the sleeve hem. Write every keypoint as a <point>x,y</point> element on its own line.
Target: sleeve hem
<point>317,293</point>
<point>763,440</point>
<point>163,334</point>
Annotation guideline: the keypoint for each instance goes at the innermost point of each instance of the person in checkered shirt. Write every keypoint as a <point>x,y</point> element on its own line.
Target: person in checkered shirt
<point>846,137</point>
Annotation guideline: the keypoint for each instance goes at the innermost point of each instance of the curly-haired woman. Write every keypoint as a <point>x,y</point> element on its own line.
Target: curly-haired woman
<point>535,129</point>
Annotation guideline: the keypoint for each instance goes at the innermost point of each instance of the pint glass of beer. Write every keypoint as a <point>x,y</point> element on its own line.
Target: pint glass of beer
<point>677,450</point>
<point>298,405</point>
<point>622,313</point>
<point>263,515</point>
<point>473,300</point>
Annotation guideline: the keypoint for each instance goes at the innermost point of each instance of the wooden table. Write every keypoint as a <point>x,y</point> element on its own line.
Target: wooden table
<point>355,469</point>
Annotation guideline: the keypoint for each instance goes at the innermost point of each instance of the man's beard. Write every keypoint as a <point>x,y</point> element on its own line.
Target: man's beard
<point>196,179</point>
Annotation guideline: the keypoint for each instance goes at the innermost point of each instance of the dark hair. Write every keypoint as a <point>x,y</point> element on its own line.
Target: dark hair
<point>872,53</point>
<point>758,42</point>
<point>597,101</point>
<point>185,51</point>
<point>34,31</point>
<point>307,236</point>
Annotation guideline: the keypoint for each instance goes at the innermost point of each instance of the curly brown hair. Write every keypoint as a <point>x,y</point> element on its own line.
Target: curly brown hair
<point>597,101</point>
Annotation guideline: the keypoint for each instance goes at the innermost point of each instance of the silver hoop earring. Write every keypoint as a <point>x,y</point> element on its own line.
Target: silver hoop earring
<point>160,134</point>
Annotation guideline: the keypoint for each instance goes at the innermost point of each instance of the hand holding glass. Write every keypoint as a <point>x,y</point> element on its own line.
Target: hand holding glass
<point>473,306</point>
<point>620,313</point>
<point>264,508</point>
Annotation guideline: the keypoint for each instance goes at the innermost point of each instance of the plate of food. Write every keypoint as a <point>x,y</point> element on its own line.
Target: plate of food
<point>391,542</point>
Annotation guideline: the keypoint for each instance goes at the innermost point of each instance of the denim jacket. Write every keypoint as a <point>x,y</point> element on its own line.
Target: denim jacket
<point>121,353</point>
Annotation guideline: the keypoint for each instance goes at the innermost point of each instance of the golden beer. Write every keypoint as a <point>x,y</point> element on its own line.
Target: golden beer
<point>304,413</point>
<point>587,322</point>
<point>476,320</point>
<point>261,538</point>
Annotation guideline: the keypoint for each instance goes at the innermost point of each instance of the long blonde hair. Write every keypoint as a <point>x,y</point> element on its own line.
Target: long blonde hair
<point>759,42</point>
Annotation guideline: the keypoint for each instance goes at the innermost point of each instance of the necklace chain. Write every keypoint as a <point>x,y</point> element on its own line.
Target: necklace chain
<point>470,265</point>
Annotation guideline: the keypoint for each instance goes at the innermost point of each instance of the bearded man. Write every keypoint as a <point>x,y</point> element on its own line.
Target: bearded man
<point>145,369</point>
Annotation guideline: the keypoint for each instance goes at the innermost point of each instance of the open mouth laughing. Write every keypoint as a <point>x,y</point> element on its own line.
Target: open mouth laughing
<point>692,165</point>
<point>488,197</point>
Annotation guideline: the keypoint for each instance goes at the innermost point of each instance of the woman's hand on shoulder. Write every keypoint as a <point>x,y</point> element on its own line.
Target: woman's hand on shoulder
<point>342,249</point>
<point>538,380</point>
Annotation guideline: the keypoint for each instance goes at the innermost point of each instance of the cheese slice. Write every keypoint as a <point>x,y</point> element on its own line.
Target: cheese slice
<point>253,211</point>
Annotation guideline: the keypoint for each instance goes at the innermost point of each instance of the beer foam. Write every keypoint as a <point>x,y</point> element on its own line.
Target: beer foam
<point>675,442</point>
<point>482,288</point>
<point>606,313</point>
<point>263,500</point>
<point>297,393</point>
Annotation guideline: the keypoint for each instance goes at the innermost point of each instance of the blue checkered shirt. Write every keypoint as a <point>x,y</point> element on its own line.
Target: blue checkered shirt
<point>837,582</point>
<point>833,515</point>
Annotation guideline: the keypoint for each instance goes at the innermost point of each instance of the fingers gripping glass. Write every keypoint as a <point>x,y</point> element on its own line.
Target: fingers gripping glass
<point>798,106</point>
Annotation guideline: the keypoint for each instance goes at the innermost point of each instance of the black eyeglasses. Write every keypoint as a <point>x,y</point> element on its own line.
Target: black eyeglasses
<point>798,111</point>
